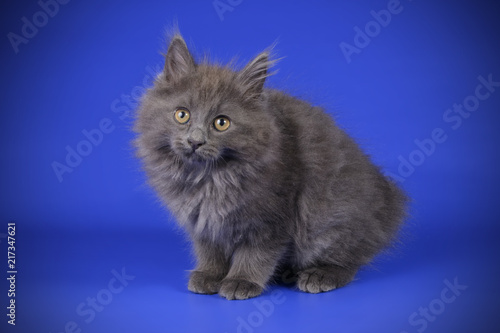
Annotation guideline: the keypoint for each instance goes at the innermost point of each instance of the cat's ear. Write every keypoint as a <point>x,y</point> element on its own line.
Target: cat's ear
<point>178,61</point>
<point>253,76</point>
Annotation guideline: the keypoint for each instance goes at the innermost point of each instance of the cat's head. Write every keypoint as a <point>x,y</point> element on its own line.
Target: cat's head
<point>200,113</point>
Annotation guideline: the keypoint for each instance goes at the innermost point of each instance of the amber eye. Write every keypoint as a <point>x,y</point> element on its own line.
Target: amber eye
<point>182,115</point>
<point>221,123</point>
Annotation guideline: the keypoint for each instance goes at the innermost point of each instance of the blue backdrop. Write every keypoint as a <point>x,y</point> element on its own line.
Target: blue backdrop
<point>417,83</point>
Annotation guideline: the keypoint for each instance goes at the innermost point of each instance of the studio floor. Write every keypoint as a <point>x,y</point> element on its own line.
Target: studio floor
<point>135,281</point>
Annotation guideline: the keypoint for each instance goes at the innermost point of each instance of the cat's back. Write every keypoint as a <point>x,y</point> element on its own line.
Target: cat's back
<point>338,182</point>
<point>320,145</point>
<point>332,165</point>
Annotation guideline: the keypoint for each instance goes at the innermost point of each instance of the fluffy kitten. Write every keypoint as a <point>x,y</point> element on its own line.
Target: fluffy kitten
<point>260,179</point>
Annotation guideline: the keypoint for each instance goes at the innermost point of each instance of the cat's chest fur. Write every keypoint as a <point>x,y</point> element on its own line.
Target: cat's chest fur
<point>208,208</point>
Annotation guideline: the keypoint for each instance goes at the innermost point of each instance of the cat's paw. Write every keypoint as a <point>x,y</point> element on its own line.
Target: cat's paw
<point>320,279</point>
<point>239,289</point>
<point>203,283</point>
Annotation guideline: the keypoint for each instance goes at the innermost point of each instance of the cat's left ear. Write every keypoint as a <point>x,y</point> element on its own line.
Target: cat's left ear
<point>253,76</point>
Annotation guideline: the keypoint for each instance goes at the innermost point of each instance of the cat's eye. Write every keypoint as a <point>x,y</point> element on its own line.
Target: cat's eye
<point>182,115</point>
<point>221,123</point>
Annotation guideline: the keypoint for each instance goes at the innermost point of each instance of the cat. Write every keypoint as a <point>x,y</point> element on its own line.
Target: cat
<point>260,180</point>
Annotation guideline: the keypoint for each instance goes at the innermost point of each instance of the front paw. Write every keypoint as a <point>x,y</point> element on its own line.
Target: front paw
<point>239,289</point>
<point>320,279</point>
<point>204,283</point>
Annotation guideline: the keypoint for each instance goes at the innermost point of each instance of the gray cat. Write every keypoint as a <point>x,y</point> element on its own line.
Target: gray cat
<point>260,180</point>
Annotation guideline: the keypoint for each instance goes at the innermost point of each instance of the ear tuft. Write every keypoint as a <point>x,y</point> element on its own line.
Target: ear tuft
<point>253,76</point>
<point>178,61</point>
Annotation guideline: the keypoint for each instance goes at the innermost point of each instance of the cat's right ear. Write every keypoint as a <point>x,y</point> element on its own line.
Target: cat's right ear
<point>178,61</point>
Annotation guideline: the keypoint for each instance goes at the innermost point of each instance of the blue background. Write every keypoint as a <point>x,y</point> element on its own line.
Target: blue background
<point>91,61</point>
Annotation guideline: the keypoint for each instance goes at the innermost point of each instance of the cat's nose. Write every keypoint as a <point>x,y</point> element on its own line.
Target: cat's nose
<point>195,144</point>
<point>196,139</point>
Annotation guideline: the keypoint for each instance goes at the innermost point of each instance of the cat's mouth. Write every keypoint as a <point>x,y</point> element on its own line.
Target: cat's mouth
<point>212,156</point>
<point>200,155</point>
<point>195,157</point>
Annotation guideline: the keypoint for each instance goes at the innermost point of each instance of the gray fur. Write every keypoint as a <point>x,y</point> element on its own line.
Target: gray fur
<point>283,186</point>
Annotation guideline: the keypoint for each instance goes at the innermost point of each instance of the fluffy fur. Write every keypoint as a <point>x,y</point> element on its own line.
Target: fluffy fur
<point>283,186</point>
